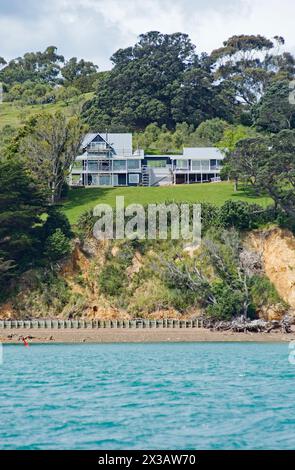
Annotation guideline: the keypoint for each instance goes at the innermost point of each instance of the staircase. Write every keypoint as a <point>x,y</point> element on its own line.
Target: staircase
<point>145,176</point>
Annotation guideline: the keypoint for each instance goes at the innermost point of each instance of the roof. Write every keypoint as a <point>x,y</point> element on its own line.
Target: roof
<point>202,153</point>
<point>121,143</point>
<point>88,138</point>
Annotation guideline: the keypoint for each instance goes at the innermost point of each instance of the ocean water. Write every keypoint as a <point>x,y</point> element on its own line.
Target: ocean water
<point>147,396</point>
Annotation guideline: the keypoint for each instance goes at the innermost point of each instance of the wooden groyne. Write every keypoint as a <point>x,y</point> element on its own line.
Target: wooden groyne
<point>94,324</point>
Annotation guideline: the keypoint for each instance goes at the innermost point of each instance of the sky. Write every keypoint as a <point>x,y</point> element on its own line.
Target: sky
<point>94,29</point>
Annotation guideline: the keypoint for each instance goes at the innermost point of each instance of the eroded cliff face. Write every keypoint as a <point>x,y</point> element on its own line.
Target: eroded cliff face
<point>80,272</point>
<point>277,249</point>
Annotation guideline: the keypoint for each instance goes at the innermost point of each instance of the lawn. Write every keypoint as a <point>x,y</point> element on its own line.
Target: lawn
<point>82,199</point>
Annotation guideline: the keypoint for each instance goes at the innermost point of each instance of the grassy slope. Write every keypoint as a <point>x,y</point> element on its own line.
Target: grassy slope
<point>80,199</point>
<point>14,115</point>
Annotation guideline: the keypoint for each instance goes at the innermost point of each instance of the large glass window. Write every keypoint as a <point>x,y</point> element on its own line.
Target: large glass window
<point>133,179</point>
<point>104,165</point>
<point>97,146</point>
<point>215,164</point>
<point>133,164</point>
<point>119,165</point>
<point>205,165</point>
<point>182,164</point>
<point>105,180</point>
<point>196,165</point>
<point>92,166</point>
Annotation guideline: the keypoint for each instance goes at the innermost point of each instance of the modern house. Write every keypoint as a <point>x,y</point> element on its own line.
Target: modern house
<point>108,160</point>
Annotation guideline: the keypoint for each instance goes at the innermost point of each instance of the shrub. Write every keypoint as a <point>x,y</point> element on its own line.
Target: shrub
<point>57,246</point>
<point>241,215</point>
<point>263,292</point>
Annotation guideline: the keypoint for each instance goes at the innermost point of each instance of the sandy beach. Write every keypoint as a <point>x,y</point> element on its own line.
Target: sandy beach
<point>111,335</point>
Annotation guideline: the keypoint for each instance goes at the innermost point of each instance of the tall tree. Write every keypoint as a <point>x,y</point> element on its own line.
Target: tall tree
<point>35,66</point>
<point>269,163</point>
<point>80,74</point>
<point>22,203</point>
<point>249,63</point>
<point>49,147</point>
<point>160,79</point>
<point>275,111</point>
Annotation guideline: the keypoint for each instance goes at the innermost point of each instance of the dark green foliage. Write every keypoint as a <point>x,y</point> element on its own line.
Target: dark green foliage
<point>228,302</point>
<point>56,220</point>
<point>268,163</point>
<point>241,215</point>
<point>57,246</point>
<point>113,280</point>
<point>275,112</point>
<point>38,67</point>
<point>80,74</point>
<point>21,205</point>
<point>160,79</point>
<point>263,292</point>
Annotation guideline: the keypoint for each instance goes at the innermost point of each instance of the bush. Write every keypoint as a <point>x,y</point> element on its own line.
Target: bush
<point>57,246</point>
<point>241,215</point>
<point>263,292</point>
<point>56,220</point>
<point>112,280</point>
<point>229,302</point>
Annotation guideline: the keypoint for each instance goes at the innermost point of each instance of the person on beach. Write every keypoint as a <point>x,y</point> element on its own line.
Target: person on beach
<point>24,339</point>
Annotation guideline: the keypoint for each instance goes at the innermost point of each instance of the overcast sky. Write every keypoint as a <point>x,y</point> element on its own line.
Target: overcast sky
<point>94,29</point>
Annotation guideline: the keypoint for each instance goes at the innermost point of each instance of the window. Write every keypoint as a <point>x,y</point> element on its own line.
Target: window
<point>105,180</point>
<point>156,163</point>
<point>182,164</point>
<point>215,164</point>
<point>133,179</point>
<point>205,164</point>
<point>133,164</point>
<point>196,165</point>
<point>119,165</point>
<point>92,166</point>
<point>97,146</point>
<point>104,165</point>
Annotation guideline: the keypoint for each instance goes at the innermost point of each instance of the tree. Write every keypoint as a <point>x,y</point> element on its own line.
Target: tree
<point>211,131</point>
<point>275,111</point>
<point>22,203</point>
<point>242,162</point>
<point>50,146</point>
<point>231,136</point>
<point>66,94</point>
<point>156,80</point>
<point>269,163</point>
<point>241,61</point>
<point>225,295</point>
<point>79,74</point>
<point>57,246</point>
<point>35,66</point>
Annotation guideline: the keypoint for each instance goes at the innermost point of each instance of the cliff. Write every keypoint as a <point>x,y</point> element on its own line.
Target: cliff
<point>277,249</point>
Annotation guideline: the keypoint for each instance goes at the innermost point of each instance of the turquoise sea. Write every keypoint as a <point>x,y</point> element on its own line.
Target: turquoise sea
<point>147,396</point>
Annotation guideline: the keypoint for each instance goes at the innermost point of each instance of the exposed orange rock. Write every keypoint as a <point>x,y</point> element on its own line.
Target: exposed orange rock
<point>277,248</point>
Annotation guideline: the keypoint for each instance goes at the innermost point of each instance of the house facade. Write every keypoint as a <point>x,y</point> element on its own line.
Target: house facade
<point>108,160</point>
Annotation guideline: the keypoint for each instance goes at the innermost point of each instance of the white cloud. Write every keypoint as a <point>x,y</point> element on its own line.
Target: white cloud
<point>94,29</point>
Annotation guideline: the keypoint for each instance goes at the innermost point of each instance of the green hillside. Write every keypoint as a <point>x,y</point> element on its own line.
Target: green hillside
<point>14,114</point>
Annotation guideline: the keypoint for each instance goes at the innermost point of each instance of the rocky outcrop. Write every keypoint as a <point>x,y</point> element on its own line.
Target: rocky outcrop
<point>277,249</point>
